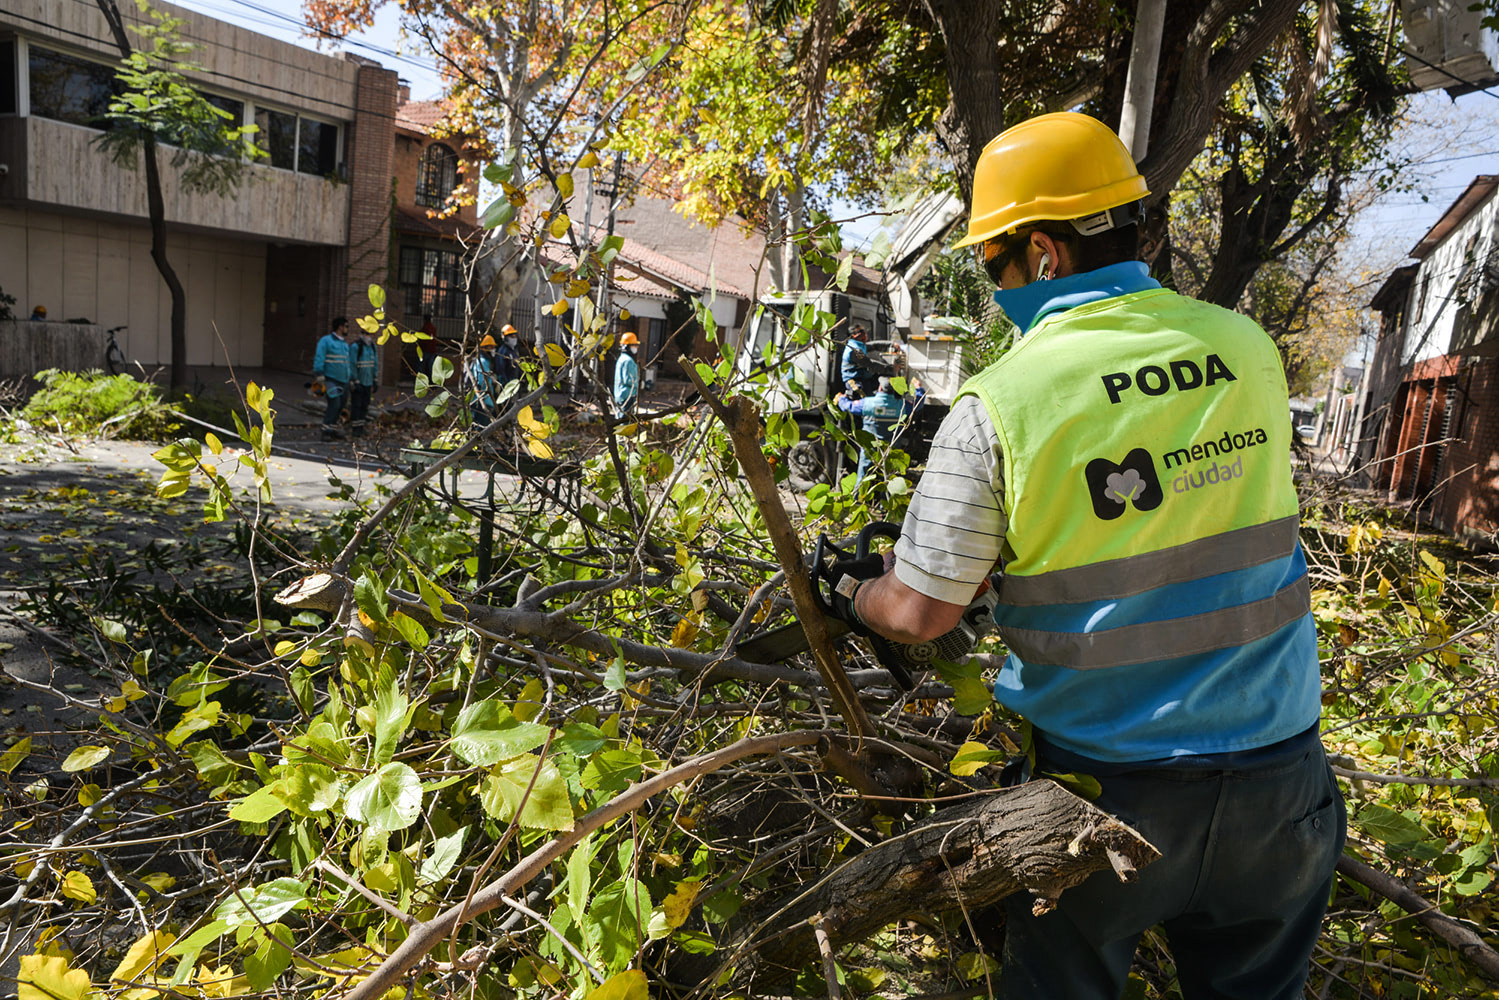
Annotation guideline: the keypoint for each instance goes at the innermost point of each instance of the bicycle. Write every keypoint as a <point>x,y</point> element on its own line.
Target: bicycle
<point>114,358</point>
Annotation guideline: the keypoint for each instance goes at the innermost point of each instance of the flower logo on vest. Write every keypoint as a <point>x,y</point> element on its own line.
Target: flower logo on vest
<point>1113,487</point>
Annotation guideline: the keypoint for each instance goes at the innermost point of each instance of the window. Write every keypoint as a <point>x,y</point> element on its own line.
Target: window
<point>436,176</point>
<point>317,148</point>
<point>8,88</point>
<point>432,280</point>
<point>70,89</point>
<point>232,106</point>
<point>278,137</point>
<point>297,143</point>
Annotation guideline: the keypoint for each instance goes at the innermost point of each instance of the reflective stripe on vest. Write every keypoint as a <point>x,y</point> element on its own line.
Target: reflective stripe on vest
<point>1152,514</point>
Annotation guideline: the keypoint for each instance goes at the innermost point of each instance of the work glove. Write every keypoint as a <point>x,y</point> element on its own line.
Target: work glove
<point>843,578</point>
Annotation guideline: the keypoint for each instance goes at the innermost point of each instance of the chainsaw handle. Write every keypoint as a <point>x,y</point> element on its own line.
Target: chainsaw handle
<point>818,571</point>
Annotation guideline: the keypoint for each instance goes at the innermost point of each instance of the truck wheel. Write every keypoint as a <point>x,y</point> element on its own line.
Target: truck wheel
<point>808,461</point>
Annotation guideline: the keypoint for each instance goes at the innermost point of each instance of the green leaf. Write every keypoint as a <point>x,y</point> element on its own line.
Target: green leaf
<point>975,965</point>
<point>499,213</point>
<point>302,689</point>
<point>262,904</point>
<point>369,594</point>
<point>486,733</point>
<point>614,677</point>
<point>411,630</point>
<point>971,756</point>
<point>270,957</point>
<point>1084,786</point>
<point>971,696</point>
<point>84,758</point>
<point>844,272</point>
<point>213,766</point>
<point>612,770</point>
<point>445,854</point>
<point>259,806</point>
<point>547,807</point>
<point>618,915</point>
<point>581,739</point>
<point>580,876</point>
<point>190,946</point>
<point>196,719</point>
<point>1391,827</point>
<point>391,716</point>
<point>310,788</point>
<point>389,799</point>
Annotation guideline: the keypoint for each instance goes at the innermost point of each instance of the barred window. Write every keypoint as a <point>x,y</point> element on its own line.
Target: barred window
<point>436,176</point>
<point>432,281</point>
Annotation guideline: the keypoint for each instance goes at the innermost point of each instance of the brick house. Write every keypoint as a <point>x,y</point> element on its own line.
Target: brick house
<point>266,269</point>
<point>1430,432</point>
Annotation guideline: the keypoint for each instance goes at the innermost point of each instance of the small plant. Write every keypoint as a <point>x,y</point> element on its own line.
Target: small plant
<point>96,403</point>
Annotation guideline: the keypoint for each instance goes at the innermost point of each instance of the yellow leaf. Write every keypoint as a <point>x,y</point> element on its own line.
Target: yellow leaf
<point>629,985</point>
<point>76,885</point>
<point>47,977</point>
<point>588,160</point>
<point>132,691</point>
<point>678,904</point>
<point>310,658</point>
<point>540,449</point>
<point>685,631</point>
<point>529,704</point>
<point>556,356</point>
<point>976,964</point>
<point>975,752</point>
<point>214,444</point>
<point>557,277</point>
<point>115,705</point>
<point>560,226</point>
<point>89,794</point>
<point>12,757</point>
<point>84,758</point>
<point>558,308</point>
<point>579,287</point>
<point>144,956</point>
<point>160,881</point>
<point>624,314</point>
<point>565,186</point>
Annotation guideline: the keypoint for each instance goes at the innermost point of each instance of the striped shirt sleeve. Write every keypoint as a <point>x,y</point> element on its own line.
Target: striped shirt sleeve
<point>956,523</point>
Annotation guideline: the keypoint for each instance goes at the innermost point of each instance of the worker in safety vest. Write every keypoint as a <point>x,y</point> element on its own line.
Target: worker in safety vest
<point>1126,467</point>
<point>881,413</point>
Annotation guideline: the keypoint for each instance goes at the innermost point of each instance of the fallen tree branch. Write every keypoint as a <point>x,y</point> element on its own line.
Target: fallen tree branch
<point>427,935</point>
<point>1466,941</point>
<point>1414,779</point>
<point>1036,837</point>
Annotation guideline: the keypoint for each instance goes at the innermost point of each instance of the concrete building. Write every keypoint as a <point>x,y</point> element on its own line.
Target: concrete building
<point>267,268</point>
<point>1430,434</point>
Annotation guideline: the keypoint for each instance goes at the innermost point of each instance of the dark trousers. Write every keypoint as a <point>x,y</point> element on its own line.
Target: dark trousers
<point>359,405</point>
<point>1246,868</point>
<point>335,403</point>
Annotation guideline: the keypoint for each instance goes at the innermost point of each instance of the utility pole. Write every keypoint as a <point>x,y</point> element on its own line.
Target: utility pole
<point>1139,83</point>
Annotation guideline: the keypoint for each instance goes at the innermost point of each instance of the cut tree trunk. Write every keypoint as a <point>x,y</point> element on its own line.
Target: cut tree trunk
<point>1037,837</point>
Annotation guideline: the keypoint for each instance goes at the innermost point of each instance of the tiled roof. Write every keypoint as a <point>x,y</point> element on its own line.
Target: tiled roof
<point>419,116</point>
<point>420,225</point>
<point>679,274</point>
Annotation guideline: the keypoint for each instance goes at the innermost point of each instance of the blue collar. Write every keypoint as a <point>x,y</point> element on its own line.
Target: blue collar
<point>1029,304</point>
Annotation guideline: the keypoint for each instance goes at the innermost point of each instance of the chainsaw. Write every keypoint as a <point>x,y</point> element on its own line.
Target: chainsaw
<point>903,660</point>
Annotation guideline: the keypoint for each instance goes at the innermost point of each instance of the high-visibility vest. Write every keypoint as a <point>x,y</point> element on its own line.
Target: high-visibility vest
<point>1154,594</point>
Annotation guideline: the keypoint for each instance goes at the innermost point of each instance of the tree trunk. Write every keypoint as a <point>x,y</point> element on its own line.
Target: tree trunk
<point>976,100</point>
<point>156,208</point>
<point>1037,837</point>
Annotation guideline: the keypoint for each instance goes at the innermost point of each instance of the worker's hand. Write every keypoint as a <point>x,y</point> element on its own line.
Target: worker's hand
<point>840,398</point>
<point>843,578</point>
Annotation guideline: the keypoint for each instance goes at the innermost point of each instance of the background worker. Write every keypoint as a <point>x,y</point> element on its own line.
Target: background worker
<point>860,372</point>
<point>507,358</point>
<point>1156,605</point>
<point>627,375</point>
<point>333,364</point>
<point>482,386</point>
<point>882,412</point>
<point>366,354</point>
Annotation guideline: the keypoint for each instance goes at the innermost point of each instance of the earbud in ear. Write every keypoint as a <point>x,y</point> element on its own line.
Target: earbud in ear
<point>1043,272</point>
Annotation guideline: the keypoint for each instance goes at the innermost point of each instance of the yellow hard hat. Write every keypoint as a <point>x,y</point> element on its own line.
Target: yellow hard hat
<point>1053,167</point>
<point>488,341</point>
<point>507,330</point>
<point>629,339</point>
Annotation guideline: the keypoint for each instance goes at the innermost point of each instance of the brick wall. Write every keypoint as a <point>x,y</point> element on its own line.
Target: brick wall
<point>370,153</point>
<point>1469,502</point>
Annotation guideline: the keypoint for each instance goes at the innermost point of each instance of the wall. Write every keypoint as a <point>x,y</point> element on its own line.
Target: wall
<point>84,268</point>
<point>27,348</point>
<point>1439,300</point>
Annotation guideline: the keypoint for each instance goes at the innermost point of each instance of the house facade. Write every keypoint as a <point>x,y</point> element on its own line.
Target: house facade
<point>266,269</point>
<point>1431,412</point>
